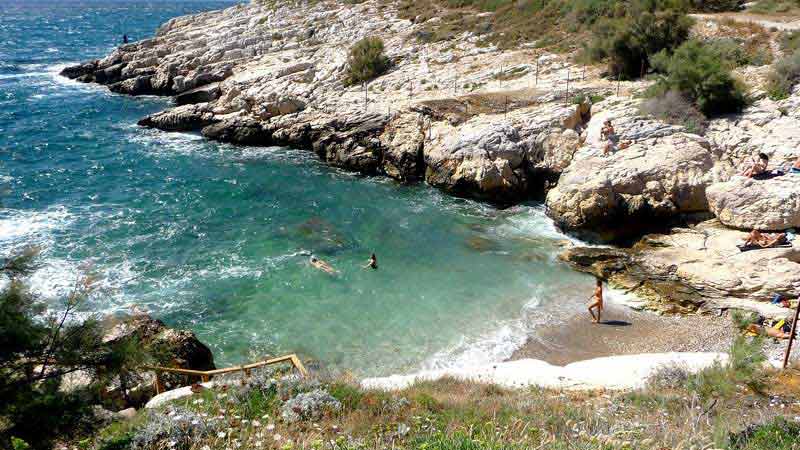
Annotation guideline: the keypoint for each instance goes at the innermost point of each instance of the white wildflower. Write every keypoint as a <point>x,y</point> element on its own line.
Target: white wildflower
<point>277,437</point>
<point>270,427</point>
<point>221,434</point>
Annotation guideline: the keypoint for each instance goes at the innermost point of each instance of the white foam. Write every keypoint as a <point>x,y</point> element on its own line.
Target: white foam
<point>496,345</point>
<point>18,227</point>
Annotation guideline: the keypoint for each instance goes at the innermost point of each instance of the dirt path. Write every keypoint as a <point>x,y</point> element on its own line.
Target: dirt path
<point>781,23</point>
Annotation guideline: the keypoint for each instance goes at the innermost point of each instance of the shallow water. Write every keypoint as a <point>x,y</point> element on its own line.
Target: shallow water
<point>216,237</point>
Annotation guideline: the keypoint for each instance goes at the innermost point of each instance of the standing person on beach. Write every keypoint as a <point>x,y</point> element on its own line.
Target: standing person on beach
<point>597,301</point>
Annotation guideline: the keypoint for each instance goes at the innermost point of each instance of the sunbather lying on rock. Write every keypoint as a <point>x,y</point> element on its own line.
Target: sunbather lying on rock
<point>760,330</point>
<point>758,167</point>
<point>757,239</point>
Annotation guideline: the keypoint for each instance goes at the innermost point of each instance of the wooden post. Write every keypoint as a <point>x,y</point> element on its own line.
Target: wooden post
<point>566,92</point>
<point>583,77</point>
<point>618,83</point>
<point>505,113</point>
<point>791,338</point>
<point>157,384</point>
<point>537,70</point>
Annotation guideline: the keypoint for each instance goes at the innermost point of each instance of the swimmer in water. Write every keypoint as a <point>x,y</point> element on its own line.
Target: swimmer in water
<point>372,263</point>
<point>322,265</point>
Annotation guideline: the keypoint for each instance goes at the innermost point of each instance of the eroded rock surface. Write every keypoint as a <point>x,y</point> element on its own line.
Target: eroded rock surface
<point>698,268</point>
<point>746,203</point>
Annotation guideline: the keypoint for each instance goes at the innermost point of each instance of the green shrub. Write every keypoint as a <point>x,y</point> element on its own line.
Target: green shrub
<point>697,73</point>
<point>778,434</point>
<point>716,5</point>
<point>628,44</point>
<point>784,76</point>
<point>366,61</point>
<point>737,54</point>
<point>744,368</point>
<point>790,41</point>
<point>672,107</point>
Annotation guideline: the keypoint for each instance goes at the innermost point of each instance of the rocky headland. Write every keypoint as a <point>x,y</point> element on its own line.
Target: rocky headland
<point>497,125</point>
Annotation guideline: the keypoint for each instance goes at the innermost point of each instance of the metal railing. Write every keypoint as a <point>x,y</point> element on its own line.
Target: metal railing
<point>205,375</point>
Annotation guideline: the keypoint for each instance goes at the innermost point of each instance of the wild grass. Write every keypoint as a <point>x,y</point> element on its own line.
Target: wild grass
<point>725,406</point>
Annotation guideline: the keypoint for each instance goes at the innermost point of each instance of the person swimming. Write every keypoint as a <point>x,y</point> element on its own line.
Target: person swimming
<point>322,265</point>
<point>372,263</point>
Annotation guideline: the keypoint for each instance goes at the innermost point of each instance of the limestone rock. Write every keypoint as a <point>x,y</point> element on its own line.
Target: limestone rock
<point>404,140</point>
<point>477,159</point>
<point>746,203</point>
<point>182,118</point>
<point>697,268</point>
<point>647,181</point>
<point>203,94</point>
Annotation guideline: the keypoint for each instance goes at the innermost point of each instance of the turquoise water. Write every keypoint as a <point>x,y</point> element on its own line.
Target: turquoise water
<point>216,237</point>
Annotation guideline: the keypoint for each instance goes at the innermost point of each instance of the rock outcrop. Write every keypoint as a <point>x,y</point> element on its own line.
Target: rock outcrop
<point>647,182</point>
<point>274,75</point>
<point>698,268</point>
<point>746,203</point>
<point>167,347</point>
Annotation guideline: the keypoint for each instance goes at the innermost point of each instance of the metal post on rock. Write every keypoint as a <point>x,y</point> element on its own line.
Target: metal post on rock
<point>791,337</point>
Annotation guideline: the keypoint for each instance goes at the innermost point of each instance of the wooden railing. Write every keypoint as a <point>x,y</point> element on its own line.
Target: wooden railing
<point>205,375</point>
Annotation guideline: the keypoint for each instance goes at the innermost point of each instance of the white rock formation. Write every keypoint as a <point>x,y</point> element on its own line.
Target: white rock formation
<point>612,372</point>
<point>745,203</point>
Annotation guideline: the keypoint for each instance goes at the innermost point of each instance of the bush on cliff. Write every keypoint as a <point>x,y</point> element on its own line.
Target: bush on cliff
<point>784,76</point>
<point>697,72</point>
<point>629,43</point>
<point>366,61</point>
<point>36,354</point>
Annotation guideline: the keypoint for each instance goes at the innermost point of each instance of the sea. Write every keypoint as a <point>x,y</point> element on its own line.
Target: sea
<point>216,238</point>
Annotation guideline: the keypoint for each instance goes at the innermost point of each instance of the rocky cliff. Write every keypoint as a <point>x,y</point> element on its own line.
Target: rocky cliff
<point>473,120</point>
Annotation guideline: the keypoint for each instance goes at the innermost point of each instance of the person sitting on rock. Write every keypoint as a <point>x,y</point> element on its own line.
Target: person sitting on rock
<point>758,167</point>
<point>611,139</point>
<point>757,239</point>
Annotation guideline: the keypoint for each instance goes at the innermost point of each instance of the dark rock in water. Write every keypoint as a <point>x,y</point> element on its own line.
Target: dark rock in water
<point>140,85</point>
<point>239,131</point>
<point>182,118</point>
<point>110,74</point>
<point>84,71</point>
<point>202,94</point>
<point>482,244</point>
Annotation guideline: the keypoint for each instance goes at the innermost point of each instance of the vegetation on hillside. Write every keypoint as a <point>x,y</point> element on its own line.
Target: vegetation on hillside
<point>726,406</point>
<point>785,74</point>
<point>366,61</point>
<point>697,72</point>
<point>38,349</point>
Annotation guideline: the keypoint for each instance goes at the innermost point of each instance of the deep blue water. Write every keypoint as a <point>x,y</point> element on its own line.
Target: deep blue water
<point>214,237</point>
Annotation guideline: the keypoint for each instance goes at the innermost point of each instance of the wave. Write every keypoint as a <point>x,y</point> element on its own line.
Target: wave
<point>494,346</point>
<point>19,227</point>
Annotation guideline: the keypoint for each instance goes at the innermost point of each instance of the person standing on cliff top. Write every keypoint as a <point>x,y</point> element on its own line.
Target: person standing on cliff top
<point>597,301</point>
<point>124,38</point>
